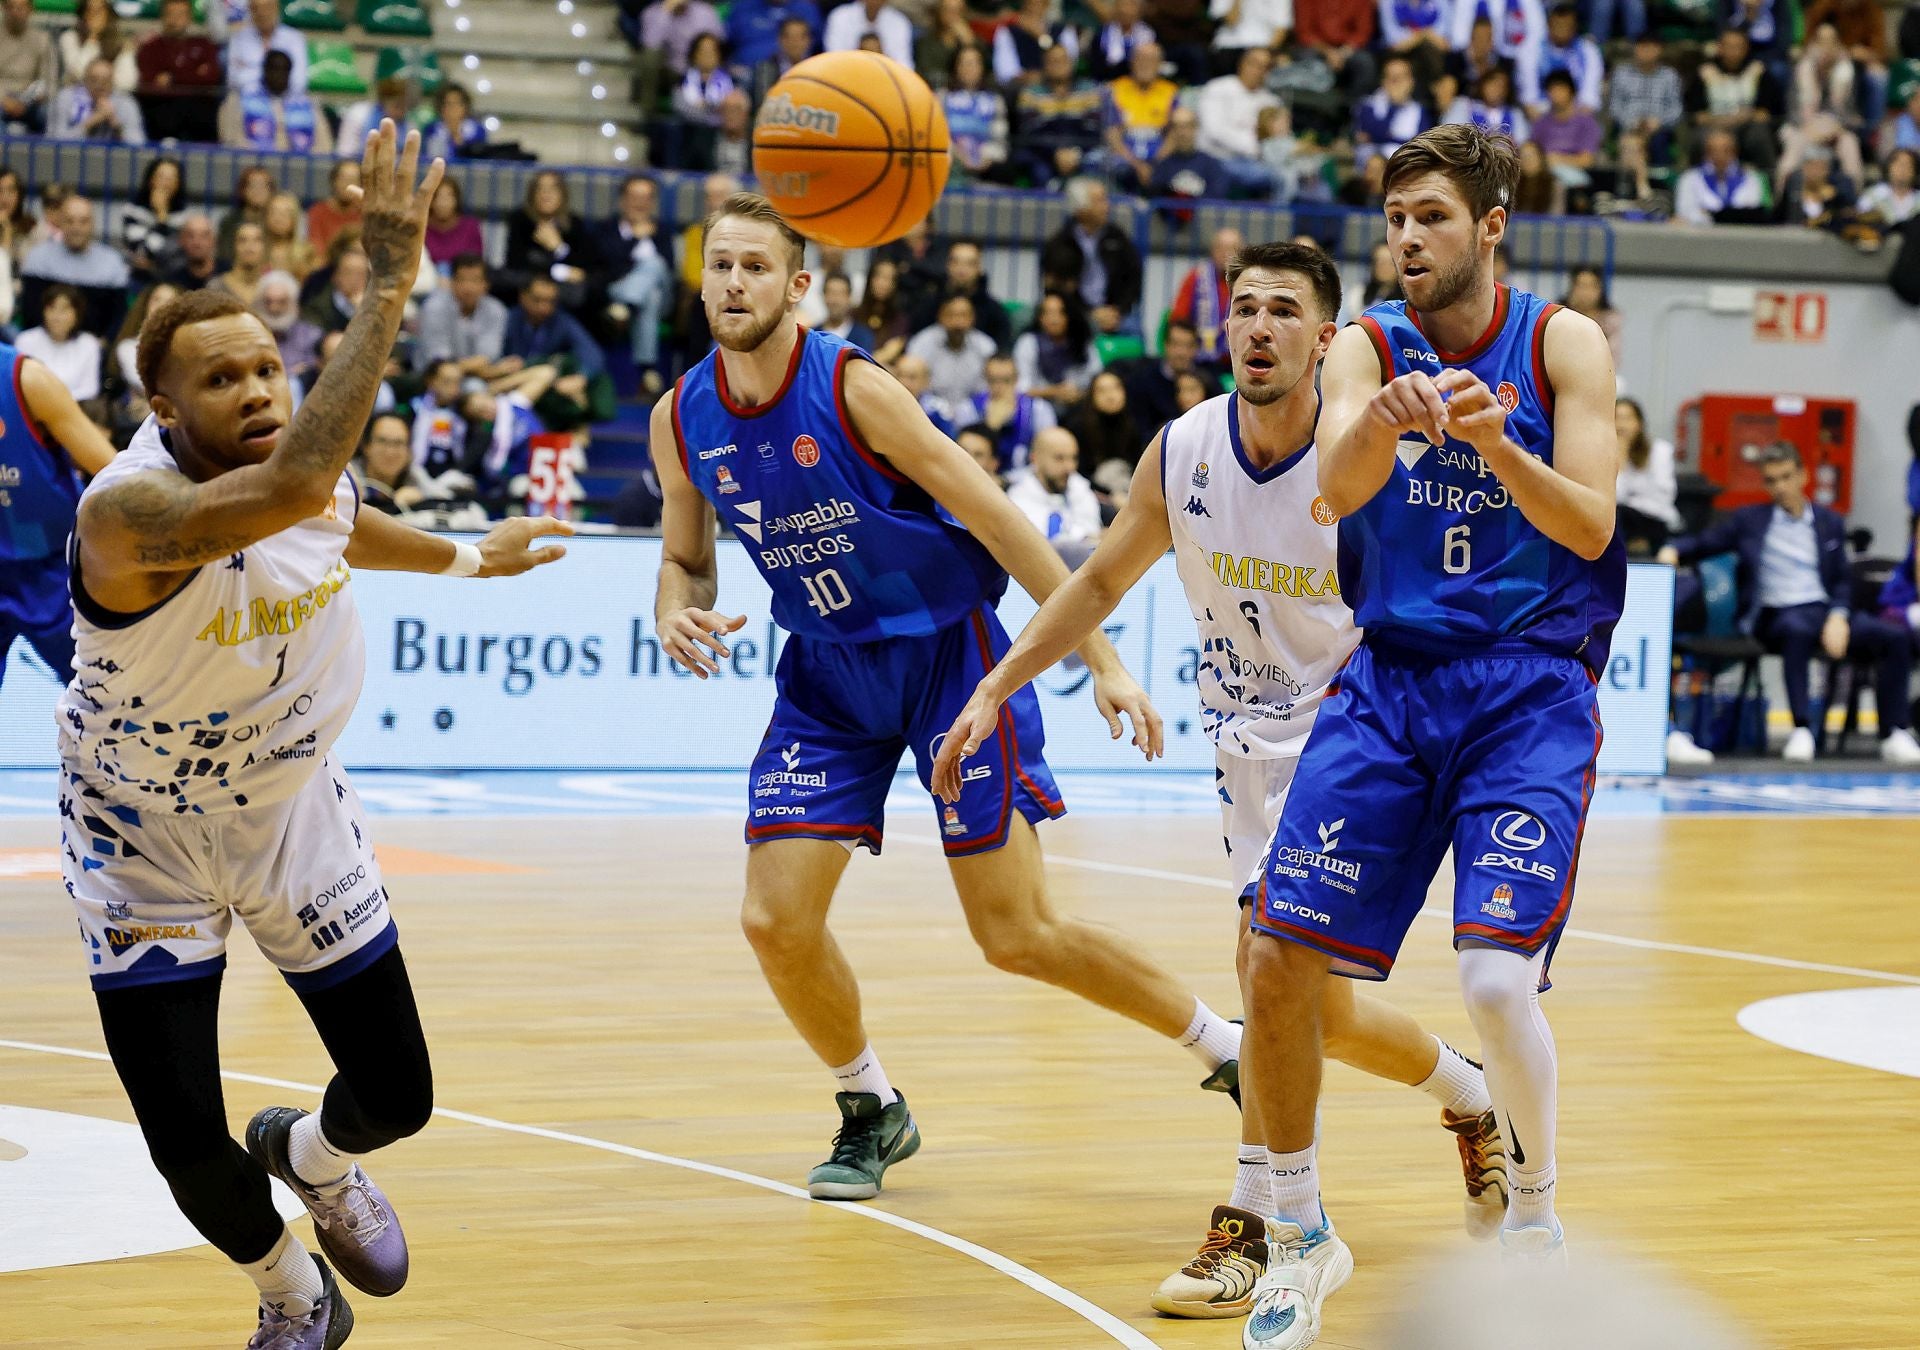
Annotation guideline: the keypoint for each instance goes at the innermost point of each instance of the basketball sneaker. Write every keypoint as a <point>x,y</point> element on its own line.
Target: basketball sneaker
<point>1219,1281</point>
<point>1302,1270</point>
<point>1483,1158</point>
<point>328,1325</point>
<point>1225,1079</point>
<point>871,1139</point>
<point>355,1224</point>
<point>1534,1248</point>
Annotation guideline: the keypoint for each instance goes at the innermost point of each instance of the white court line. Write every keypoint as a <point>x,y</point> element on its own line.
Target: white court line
<point>1118,1330</point>
<point>1589,934</point>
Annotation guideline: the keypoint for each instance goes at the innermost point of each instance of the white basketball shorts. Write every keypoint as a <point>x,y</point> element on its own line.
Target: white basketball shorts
<point>1252,792</point>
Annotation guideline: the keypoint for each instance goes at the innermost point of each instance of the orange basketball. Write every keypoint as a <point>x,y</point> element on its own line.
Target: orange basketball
<point>851,148</point>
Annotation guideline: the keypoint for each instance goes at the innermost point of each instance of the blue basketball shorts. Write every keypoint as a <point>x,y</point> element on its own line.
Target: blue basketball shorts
<point>1413,754</point>
<point>844,713</point>
<point>35,605</point>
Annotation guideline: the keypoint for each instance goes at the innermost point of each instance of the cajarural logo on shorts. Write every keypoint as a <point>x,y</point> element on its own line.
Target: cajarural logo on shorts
<point>1300,863</point>
<point>790,775</point>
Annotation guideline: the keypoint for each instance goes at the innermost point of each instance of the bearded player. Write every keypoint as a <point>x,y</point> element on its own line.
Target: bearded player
<point>1254,544</point>
<point>885,546</point>
<point>219,655</point>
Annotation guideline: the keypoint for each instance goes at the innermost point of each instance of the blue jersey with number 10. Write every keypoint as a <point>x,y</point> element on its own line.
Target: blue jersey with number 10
<point>852,549</point>
<point>1441,558</point>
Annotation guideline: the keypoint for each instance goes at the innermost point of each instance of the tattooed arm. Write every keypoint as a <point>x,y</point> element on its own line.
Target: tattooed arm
<point>138,535</point>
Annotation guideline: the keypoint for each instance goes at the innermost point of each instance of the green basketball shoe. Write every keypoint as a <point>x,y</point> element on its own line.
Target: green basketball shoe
<point>871,1139</point>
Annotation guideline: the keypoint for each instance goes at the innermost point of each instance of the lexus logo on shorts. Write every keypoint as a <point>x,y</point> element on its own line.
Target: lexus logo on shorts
<point>1518,831</point>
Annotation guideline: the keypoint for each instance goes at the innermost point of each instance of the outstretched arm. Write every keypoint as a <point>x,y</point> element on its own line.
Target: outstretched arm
<point>689,578</point>
<point>51,406</point>
<point>382,544</point>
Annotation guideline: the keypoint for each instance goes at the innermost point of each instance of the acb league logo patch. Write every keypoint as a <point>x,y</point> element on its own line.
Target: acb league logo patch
<point>806,451</point>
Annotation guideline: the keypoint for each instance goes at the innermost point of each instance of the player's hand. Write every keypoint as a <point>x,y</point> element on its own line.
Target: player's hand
<point>1835,635</point>
<point>685,631</point>
<point>976,722</point>
<point>393,208</point>
<point>1474,415</point>
<point>1411,403</point>
<point>504,551</point>
<point>1117,692</point>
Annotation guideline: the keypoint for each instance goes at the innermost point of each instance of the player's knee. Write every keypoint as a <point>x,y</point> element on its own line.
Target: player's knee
<point>403,1108</point>
<point>1496,995</point>
<point>775,935</point>
<point>204,1165</point>
<point>1016,949</point>
<point>1279,973</point>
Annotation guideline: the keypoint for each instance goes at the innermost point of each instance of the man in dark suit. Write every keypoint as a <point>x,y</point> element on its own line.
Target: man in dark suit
<point>965,275</point>
<point>1092,258</point>
<point>1796,595</point>
<point>631,276</point>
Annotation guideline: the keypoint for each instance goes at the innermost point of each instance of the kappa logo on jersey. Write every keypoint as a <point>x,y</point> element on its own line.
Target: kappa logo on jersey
<point>1508,395</point>
<point>1263,574</point>
<point>1500,905</point>
<point>724,476</point>
<point>1196,507</point>
<point>806,451</point>
<point>1200,473</point>
<point>1519,831</point>
<point>1323,514</point>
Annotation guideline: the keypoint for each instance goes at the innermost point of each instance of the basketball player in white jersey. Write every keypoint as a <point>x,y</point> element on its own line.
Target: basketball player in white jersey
<point>219,655</point>
<point>1231,487</point>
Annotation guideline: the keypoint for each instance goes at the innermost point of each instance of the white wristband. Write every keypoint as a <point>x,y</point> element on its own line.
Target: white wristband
<point>466,561</point>
<point>1913,617</point>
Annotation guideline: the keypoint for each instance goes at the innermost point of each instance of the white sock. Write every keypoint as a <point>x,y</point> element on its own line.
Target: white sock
<point>1457,1083</point>
<point>1252,1191</point>
<point>315,1161</point>
<point>287,1277</point>
<point>1295,1178</point>
<point>863,1073</point>
<point>1212,1038</point>
<point>1529,1197</point>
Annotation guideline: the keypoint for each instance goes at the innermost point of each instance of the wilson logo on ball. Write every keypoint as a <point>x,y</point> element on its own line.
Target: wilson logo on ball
<point>781,113</point>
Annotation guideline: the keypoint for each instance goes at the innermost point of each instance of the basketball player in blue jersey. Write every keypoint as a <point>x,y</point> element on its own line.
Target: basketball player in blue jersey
<point>44,437</point>
<point>1466,445</point>
<point>886,547</point>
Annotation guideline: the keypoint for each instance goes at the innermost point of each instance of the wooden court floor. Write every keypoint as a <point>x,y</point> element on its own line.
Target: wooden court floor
<point>587,978</point>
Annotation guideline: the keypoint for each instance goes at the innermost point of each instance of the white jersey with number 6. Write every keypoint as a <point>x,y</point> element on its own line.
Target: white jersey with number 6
<point>1255,550</point>
<point>229,692</point>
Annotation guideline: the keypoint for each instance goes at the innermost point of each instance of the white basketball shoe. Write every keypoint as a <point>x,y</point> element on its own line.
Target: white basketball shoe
<point>1302,1270</point>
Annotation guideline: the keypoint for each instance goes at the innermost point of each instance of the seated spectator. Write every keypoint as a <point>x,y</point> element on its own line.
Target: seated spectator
<point>976,116</point>
<point>1184,31</point>
<point>16,222</point>
<point>454,132</point>
<point>668,29</point>
<point>251,194</point>
<point>633,266</point>
<point>849,23</point>
<point>1645,99</point>
<point>1587,294</point>
<point>1825,106</point>
<point>277,303</point>
<point>1492,108</point>
<point>732,149</point>
<point>1058,122</point>
<point>966,276</point>
<point>144,228</point>
<point>440,432</point>
<point>939,39</point>
<point>754,28</point>
<point>96,34</point>
<point>1900,594</point>
<point>393,98</point>
<point>500,429</point>
<point>1768,24</point>
<point>248,45</point>
<point>384,399</point>
<point>1109,53</point>
<point>1894,200</point>
<point>1054,359</point>
<point>79,260</point>
<point>1632,14</point>
<point>1190,391</point>
<point>1418,30</point>
<point>1248,26</point>
<point>1383,280</point>
<point>1903,131</point>
<point>1567,134</point>
<point>916,377</point>
<point>706,84</point>
<point>389,483</point>
<point>242,280</point>
<point>1230,106</point>
<point>450,230</point>
<point>977,441</point>
<point>1796,595</point>
<point>1201,298</point>
<point>94,110</point>
<point>1339,32</point>
<point>461,324</point>
<point>837,293</point>
<point>1183,169</point>
<point>797,43</point>
<point>126,349</point>
<point>1153,382</point>
<point>59,343</point>
<point>53,196</point>
<point>1815,197</point>
<point>955,351</point>
<point>339,209</point>
<point>1862,25</point>
<point>1475,52</point>
<point>1718,184</point>
<point>1647,490</point>
<point>545,239</point>
<point>1736,93</point>
<point>880,312</point>
<point>273,115</point>
<point>1292,165</point>
<point>338,299</point>
<point>1053,494</point>
<point>29,68</point>
<point>1091,259</point>
<point>1137,108</point>
<point>1568,49</point>
<point>1391,116</point>
<point>286,250</point>
<point>1105,431</point>
<point>1021,44</point>
<point>181,75</point>
<point>539,332</point>
<point>193,263</point>
<point>1539,192</point>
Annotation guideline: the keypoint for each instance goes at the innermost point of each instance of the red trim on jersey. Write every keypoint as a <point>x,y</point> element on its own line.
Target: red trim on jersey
<point>786,382</point>
<point>1542,385</point>
<point>1053,805</point>
<point>20,400</point>
<point>1380,349</point>
<point>1365,956</point>
<point>1003,726</point>
<point>864,834</point>
<point>877,464</point>
<point>679,438</point>
<point>1501,296</point>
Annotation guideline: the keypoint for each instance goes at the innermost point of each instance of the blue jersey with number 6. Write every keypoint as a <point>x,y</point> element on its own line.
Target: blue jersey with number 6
<point>1442,558</point>
<point>852,549</point>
